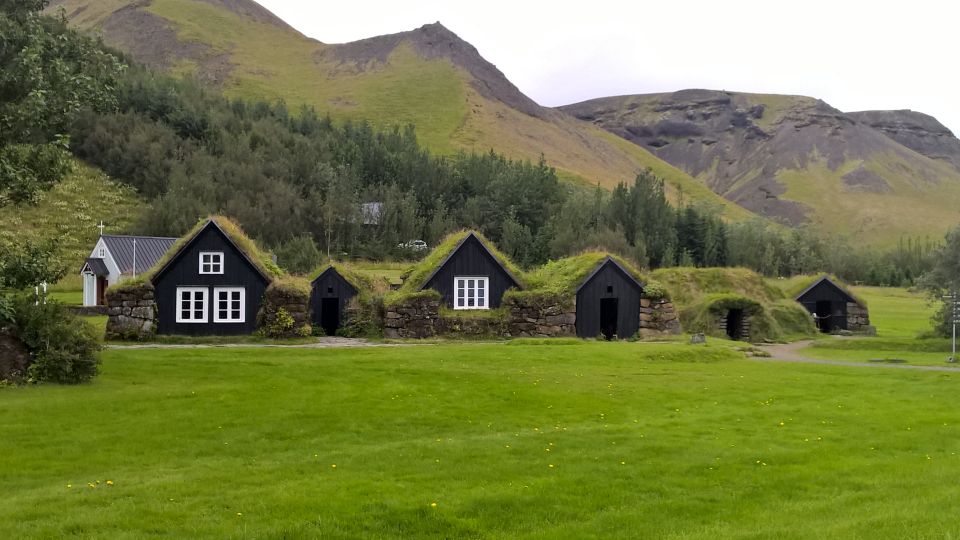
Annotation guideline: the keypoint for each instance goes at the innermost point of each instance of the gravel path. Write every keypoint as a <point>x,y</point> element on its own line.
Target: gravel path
<point>790,352</point>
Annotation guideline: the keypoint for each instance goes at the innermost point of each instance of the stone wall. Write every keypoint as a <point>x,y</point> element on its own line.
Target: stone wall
<point>552,320</point>
<point>858,320</point>
<point>658,317</point>
<point>415,318</point>
<point>131,312</point>
<point>294,302</point>
<point>484,325</point>
<point>89,311</point>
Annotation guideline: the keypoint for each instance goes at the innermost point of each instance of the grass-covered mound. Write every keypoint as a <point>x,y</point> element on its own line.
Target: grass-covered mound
<point>794,286</point>
<point>558,280</point>
<point>259,258</point>
<point>705,295</point>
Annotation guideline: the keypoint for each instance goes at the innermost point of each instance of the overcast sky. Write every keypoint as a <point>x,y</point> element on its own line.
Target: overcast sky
<point>853,55</point>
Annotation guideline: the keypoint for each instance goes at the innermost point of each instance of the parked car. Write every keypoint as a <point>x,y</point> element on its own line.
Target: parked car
<point>413,245</point>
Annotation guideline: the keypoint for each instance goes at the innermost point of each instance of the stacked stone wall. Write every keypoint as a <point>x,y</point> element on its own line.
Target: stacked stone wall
<point>131,312</point>
<point>415,318</point>
<point>858,319</point>
<point>296,305</point>
<point>658,317</point>
<point>550,320</point>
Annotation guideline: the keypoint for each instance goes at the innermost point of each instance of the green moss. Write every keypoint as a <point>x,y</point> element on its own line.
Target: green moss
<point>291,285</point>
<point>365,284</point>
<point>690,285</point>
<point>564,276</point>
<point>419,273</point>
<point>499,314</point>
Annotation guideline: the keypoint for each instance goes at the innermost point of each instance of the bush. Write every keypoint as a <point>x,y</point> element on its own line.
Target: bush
<point>64,349</point>
<point>279,325</point>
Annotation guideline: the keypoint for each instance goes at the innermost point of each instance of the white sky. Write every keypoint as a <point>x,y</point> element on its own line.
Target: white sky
<point>854,55</point>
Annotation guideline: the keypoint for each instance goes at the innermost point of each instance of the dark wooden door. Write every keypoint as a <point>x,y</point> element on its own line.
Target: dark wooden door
<point>608,317</point>
<point>330,315</point>
<point>101,291</point>
<point>825,317</point>
<point>735,324</point>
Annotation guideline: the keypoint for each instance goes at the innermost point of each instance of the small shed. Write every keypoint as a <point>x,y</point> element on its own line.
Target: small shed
<point>330,292</point>
<point>608,301</point>
<point>833,307</point>
<point>467,272</point>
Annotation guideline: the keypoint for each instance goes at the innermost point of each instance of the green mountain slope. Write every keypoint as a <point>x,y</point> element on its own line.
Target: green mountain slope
<point>428,77</point>
<point>796,159</point>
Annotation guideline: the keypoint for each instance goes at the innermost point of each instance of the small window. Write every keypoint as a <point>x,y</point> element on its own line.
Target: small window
<point>329,290</point>
<point>470,292</point>
<point>230,304</point>
<point>191,304</point>
<point>211,262</point>
<point>609,288</point>
<point>103,253</point>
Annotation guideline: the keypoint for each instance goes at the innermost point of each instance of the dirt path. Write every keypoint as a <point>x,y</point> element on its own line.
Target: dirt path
<point>320,343</point>
<point>790,352</point>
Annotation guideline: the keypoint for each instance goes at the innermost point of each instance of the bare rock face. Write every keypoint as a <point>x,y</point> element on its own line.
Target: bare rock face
<point>739,144</point>
<point>919,132</point>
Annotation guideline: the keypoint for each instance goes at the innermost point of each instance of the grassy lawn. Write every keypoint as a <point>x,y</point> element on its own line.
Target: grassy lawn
<point>897,312</point>
<point>516,440</point>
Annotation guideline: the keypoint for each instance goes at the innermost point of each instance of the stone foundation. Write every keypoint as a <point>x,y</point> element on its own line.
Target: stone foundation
<point>415,318</point>
<point>658,317</point>
<point>131,312</point>
<point>295,303</point>
<point>858,320</point>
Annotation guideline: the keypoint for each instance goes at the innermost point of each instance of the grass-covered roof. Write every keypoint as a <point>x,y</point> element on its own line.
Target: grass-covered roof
<point>260,259</point>
<point>564,276</point>
<point>364,284</point>
<point>418,274</point>
<point>690,285</point>
<point>797,285</point>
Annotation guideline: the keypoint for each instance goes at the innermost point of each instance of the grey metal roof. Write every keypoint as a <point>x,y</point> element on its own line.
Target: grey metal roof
<point>149,250</point>
<point>97,266</point>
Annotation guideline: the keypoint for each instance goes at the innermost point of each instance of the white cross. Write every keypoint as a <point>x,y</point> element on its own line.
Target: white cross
<point>101,227</point>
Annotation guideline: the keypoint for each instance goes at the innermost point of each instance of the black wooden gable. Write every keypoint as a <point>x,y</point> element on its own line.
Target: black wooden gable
<point>617,267</point>
<point>471,258</point>
<point>210,236</point>
<point>825,290</point>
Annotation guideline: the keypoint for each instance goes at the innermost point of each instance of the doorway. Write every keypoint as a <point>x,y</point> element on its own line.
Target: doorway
<point>608,317</point>
<point>735,324</point>
<point>824,317</point>
<point>330,315</point>
<point>101,291</point>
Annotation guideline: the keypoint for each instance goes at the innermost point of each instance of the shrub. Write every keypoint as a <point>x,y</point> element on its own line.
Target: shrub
<point>64,349</point>
<point>279,325</point>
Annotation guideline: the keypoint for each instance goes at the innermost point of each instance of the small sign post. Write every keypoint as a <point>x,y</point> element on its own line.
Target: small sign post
<point>954,300</point>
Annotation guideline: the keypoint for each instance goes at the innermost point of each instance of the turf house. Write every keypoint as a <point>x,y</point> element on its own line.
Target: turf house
<point>590,295</point>
<point>118,258</point>
<point>211,282</point>
<point>833,307</point>
<point>344,301</point>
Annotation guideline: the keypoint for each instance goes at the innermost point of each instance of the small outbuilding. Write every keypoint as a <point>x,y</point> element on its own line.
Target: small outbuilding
<point>833,307</point>
<point>468,273</point>
<point>608,301</point>
<point>330,292</point>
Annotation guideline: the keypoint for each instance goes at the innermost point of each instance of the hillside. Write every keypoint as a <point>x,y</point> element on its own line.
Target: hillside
<point>797,159</point>
<point>428,77</point>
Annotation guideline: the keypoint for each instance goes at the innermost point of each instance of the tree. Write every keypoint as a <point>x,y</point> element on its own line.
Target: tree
<point>48,73</point>
<point>944,278</point>
<point>298,255</point>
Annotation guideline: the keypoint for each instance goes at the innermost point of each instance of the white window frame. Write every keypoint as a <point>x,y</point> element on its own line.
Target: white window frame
<point>102,252</point>
<point>193,298</point>
<point>216,304</point>
<point>482,283</point>
<point>218,262</point>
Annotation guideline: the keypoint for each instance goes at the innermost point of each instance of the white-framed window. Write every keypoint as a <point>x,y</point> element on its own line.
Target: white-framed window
<point>471,292</point>
<point>229,304</point>
<point>103,253</point>
<point>191,304</point>
<point>211,262</point>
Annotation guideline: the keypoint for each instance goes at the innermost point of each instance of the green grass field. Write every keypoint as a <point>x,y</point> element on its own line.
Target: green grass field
<point>573,440</point>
